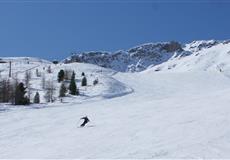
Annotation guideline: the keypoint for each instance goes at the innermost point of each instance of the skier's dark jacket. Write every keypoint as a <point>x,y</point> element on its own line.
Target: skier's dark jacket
<point>86,120</point>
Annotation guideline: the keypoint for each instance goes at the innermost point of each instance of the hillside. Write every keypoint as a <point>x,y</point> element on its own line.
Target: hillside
<point>108,86</point>
<point>178,108</point>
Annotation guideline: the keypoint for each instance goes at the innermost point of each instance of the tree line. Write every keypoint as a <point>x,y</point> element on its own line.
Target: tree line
<point>19,93</point>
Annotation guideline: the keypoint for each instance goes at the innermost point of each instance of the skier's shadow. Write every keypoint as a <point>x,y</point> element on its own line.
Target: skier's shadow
<point>90,126</point>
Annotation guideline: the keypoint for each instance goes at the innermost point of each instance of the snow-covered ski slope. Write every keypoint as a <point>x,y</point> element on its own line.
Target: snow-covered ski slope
<point>166,112</point>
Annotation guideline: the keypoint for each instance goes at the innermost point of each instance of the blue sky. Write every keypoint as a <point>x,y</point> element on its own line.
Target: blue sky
<point>53,29</point>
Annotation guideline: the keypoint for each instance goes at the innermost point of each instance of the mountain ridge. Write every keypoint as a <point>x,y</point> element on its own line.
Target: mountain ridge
<point>143,56</point>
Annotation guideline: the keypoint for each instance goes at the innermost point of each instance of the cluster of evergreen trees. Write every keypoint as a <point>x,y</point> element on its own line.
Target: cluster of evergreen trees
<point>19,93</point>
<point>15,93</point>
<point>11,91</point>
<point>73,90</point>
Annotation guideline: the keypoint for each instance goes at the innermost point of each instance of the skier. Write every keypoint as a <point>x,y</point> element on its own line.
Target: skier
<point>86,120</point>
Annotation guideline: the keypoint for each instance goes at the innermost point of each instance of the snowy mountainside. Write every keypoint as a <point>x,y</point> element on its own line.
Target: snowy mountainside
<point>205,56</point>
<point>107,87</point>
<point>153,54</point>
<point>134,59</point>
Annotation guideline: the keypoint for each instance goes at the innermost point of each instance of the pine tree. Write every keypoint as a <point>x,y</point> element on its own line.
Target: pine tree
<point>73,86</point>
<point>37,98</point>
<point>95,82</point>
<point>84,81</point>
<point>61,75</point>
<point>20,98</point>
<point>62,90</point>
<point>82,74</point>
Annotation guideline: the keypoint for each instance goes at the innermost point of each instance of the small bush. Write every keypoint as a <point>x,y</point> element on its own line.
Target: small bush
<point>84,81</point>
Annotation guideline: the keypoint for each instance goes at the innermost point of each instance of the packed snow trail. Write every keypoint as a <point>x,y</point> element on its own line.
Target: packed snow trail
<point>169,115</point>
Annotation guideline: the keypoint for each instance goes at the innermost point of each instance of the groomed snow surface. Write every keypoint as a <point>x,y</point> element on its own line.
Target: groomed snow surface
<point>133,115</point>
